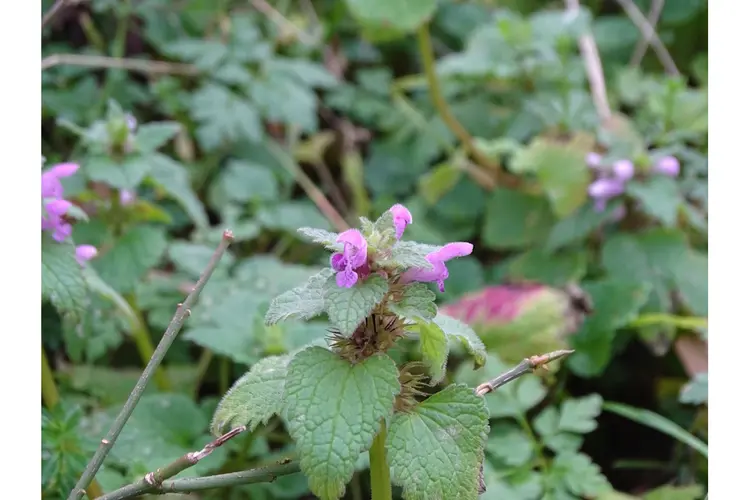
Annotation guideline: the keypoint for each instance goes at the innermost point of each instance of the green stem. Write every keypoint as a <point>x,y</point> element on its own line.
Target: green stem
<point>183,311</point>
<point>51,397</point>
<point>204,362</point>
<point>380,475</point>
<point>145,346</point>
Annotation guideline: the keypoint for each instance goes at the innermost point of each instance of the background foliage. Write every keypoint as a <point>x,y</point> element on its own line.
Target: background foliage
<point>264,118</point>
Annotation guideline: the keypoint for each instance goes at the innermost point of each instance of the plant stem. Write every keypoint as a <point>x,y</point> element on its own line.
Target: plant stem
<point>528,365</point>
<point>380,474</point>
<point>183,311</point>
<point>204,362</point>
<point>145,346</point>
<point>51,397</point>
<point>156,478</point>
<point>433,86</point>
<point>50,394</point>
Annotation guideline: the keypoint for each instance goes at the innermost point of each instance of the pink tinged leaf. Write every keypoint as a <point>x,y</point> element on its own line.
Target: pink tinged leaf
<point>401,218</point>
<point>494,305</point>
<point>84,253</point>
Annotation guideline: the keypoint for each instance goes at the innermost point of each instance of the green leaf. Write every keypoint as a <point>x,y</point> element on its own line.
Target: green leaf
<point>224,117</point>
<point>125,174</point>
<point>561,170</point>
<point>151,136</point>
<point>62,278</point>
<point>192,258</point>
<point>436,450</point>
<point>669,492</point>
<point>433,345</point>
<point>322,237</point>
<point>415,301</point>
<point>348,307</point>
<point>579,225</point>
<point>132,255</point>
<point>458,330</point>
<point>334,409</point>
<point>244,181</point>
<point>291,215</point>
<point>579,415</point>
<point>515,220</point>
<point>575,473</point>
<point>254,398</point>
<point>660,197</point>
<point>547,424</point>
<point>510,444</point>
<point>556,269</point>
<point>696,391</point>
<point>406,254</point>
<point>656,421</point>
<point>401,15</point>
<point>174,179</point>
<point>303,302</point>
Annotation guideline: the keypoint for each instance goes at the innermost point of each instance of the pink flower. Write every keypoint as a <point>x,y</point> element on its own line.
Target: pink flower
<point>126,197</point>
<point>54,219</point>
<point>594,160</point>
<point>669,166</point>
<point>438,258</point>
<point>51,186</point>
<point>351,264</point>
<point>401,218</point>
<point>84,253</point>
<point>623,170</point>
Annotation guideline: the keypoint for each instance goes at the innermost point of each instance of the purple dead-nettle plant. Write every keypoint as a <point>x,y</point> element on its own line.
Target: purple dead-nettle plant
<point>57,211</point>
<point>346,396</point>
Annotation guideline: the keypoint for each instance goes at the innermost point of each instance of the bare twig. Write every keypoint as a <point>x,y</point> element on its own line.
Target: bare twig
<point>153,481</point>
<point>528,365</point>
<point>653,18</point>
<point>183,311</point>
<point>53,11</point>
<point>594,72</point>
<point>282,22</point>
<point>428,64</point>
<point>647,30</point>
<point>105,62</point>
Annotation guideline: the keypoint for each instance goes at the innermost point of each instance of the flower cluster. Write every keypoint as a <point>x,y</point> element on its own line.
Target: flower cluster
<point>55,207</point>
<point>611,179</point>
<point>355,261</point>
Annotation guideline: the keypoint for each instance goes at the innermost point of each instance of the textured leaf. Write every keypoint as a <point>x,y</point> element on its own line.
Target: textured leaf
<point>576,474</point>
<point>126,174</point>
<point>291,215</point>
<point>456,329</point>
<point>321,236</point>
<point>433,344</point>
<point>151,136</point>
<point>134,253</point>
<point>173,178</point>
<point>579,225</point>
<point>303,302</point>
<point>62,278</point>
<point>254,398</point>
<point>515,220</point>
<point>547,424</point>
<point>579,415</point>
<point>660,197</point>
<point>510,444</point>
<point>348,307</point>
<point>696,391</point>
<point>224,117</point>
<point>243,182</point>
<point>401,15</point>
<point>416,301</point>
<point>334,410</point>
<point>406,254</point>
<point>436,450</point>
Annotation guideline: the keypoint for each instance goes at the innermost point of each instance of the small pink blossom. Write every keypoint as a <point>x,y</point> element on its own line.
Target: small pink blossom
<point>85,253</point>
<point>401,218</point>
<point>51,185</point>
<point>438,258</point>
<point>349,264</point>
<point>669,166</point>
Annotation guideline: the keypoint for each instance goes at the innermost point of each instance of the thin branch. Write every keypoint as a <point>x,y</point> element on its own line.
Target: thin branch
<point>183,311</point>
<point>282,22</point>
<point>152,481</point>
<point>53,11</point>
<point>653,18</point>
<point>309,187</point>
<point>105,62</point>
<point>593,64</point>
<point>640,21</point>
<point>528,365</point>
<point>428,63</point>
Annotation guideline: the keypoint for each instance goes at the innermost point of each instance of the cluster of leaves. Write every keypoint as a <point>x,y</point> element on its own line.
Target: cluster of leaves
<point>234,84</point>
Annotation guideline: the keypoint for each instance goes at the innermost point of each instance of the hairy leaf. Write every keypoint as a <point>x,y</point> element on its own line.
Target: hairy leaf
<point>348,307</point>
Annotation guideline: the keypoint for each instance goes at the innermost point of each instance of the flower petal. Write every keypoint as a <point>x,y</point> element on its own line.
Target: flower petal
<point>401,218</point>
<point>58,208</point>
<point>85,253</point>
<point>346,278</point>
<point>623,169</point>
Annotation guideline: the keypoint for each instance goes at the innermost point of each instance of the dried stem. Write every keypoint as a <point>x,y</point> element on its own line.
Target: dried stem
<point>653,18</point>
<point>528,365</point>
<point>105,62</point>
<point>594,72</point>
<point>647,30</point>
<point>153,481</point>
<point>183,311</point>
<point>53,11</point>
<point>433,85</point>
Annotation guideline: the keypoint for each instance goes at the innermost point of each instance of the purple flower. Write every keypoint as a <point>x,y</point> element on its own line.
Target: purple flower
<point>351,264</point>
<point>669,166</point>
<point>131,122</point>
<point>594,160</point>
<point>438,258</point>
<point>85,253</point>
<point>603,189</point>
<point>51,185</point>
<point>401,218</point>
<point>54,220</point>
<point>126,197</point>
<point>623,170</point>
